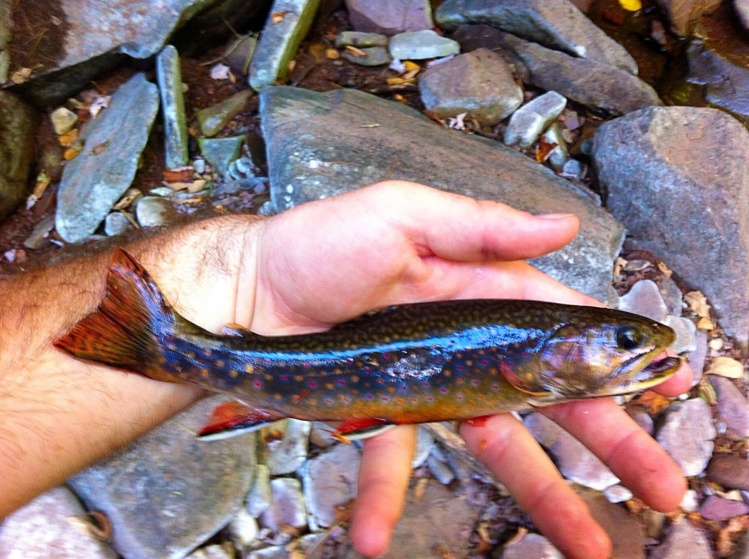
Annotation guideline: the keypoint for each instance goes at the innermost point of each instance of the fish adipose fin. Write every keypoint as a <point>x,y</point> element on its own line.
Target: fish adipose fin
<point>124,331</point>
<point>235,418</point>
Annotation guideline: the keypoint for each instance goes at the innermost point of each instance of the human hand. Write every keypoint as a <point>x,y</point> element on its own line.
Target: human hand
<point>397,242</point>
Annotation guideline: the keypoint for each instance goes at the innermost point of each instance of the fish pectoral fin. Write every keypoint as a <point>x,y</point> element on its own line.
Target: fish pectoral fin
<point>524,383</point>
<point>235,418</point>
<point>356,429</point>
<point>236,330</point>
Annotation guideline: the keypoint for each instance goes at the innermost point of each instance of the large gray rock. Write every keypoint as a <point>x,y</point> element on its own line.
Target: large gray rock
<point>479,83</point>
<point>625,529</point>
<point>169,491</point>
<point>42,529</point>
<point>320,145</point>
<point>732,406</point>
<point>169,77</point>
<point>330,481</point>
<point>687,435</point>
<point>725,81</point>
<point>595,84</point>
<point>556,24</point>
<point>96,179</point>
<point>684,541</point>
<point>390,16</point>
<point>676,177</point>
<point>18,123</point>
<point>94,35</point>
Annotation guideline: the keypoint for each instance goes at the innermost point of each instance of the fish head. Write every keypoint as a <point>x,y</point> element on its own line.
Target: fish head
<point>587,359</point>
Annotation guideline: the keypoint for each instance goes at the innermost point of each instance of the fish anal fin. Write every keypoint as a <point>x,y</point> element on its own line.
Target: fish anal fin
<point>361,428</point>
<point>235,418</point>
<point>237,330</point>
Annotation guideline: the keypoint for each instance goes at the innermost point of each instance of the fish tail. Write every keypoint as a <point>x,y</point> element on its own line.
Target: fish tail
<point>124,331</point>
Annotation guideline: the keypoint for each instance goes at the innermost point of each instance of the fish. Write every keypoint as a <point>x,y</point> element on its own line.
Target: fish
<point>409,363</point>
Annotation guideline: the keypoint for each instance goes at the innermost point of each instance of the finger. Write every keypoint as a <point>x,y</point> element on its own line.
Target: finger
<point>460,228</point>
<point>509,450</point>
<point>633,455</point>
<point>680,382</point>
<point>383,480</point>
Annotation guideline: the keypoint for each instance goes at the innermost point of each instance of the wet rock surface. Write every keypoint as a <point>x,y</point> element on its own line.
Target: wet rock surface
<point>18,124</point>
<point>687,435</point>
<point>390,17</point>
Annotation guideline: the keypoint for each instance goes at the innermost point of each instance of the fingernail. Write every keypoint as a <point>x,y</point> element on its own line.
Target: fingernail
<point>555,216</point>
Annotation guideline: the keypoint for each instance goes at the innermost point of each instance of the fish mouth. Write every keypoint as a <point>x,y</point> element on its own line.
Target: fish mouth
<point>662,367</point>
<point>652,373</point>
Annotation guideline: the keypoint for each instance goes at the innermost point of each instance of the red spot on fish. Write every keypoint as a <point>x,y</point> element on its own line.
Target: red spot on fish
<point>284,376</point>
<point>403,387</point>
<point>381,380</point>
<point>459,368</point>
<point>312,384</point>
<point>257,384</point>
<point>459,397</point>
<point>438,359</point>
<point>369,397</point>
<point>443,390</point>
<point>341,382</point>
<point>484,362</point>
<point>429,399</point>
<point>495,386</point>
<point>414,400</point>
<point>329,401</point>
<point>386,355</point>
<point>475,382</point>
<point>425,384</point>
<point>306,365</point>
<point>459,381</point>
<point>385,399</point>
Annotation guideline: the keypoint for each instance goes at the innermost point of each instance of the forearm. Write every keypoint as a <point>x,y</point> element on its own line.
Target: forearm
<point>60,414</point>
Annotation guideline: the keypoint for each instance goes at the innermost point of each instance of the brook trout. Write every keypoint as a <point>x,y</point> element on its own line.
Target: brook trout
<point>406,364</point>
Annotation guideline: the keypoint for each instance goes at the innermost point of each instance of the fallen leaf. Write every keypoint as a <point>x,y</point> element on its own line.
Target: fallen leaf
<point>41,184</point>
<point>398,81</point>
<point>196,186</point>
<point>353,51</point>
<point>278,17</point>
<point>97,149</point>
<point>706,391</point>
<point>726,367</point>
<point>631,5</point>
<point>653,401</point>
<point>182,174</point>
<point>420,489</point>
<point>369,126</point>
<point>332,54</point>
<point>21,75</point>
<point>544,149</point>
<point>698,303</point>
<point>705,324</point>
<point>519,535</point>
<point>95,524</point>
<point>618,266</point>
<point>101,102</point>
<point>665,270</point>
<point>72,152</point>
<point>127,199</point>
<point>457,122</point>
<point>67,140</point>
<point>220,72</point>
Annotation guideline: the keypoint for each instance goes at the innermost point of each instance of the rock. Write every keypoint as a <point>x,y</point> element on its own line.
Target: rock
<point>243,528</point>
<point>725,82</point>
<point>373,56</point>
<point>697,357</point>
<point>360,39</point>
<point>594,84</point>
<point>240,56</point>
<point>644,298</point>
<point>103,171</point>
<point>530,120</point>
<point>642,418</point>
<point>312,156</point>
<point>287,454</point>
<point>154,492</point>
<point>617,494</point>
<point>390,16</point>
<point>531,546</point>
<point>671,294</point>
<point>479,83</point>
<point>685,15</point>
<point>574,460</point>
<point>686,333</point>
<point>94,36</point>
<point>625,529</point>
<point>330,481</point>
<point>214,119</point>
<point>40,235</point>
<point>439,520</point>
<point>260,496</point>
<point>720,509</point>
<point>689,502</point>
<point>424,446</point>
<point>287,25</point>
<point>43,529</point>
<point>556,24</point>
<point>741,551</point>
<point>419,45</point>
<point>742,9</point>
<point>683,541</point>
<point>557,157</point>
<point>169,78</point>
<point>732,406</point>
<point>216,551</point>
<point>18,124</point>
<point>63,120</point>
<point>220,152</point>
<point>6,33</point>
<point>321,435</point>
<point>658,166</point>
<point>116,224</point>
<point>573,169</point>
<point>288,507</point>
<point>440,470</point>
<point>687,435</point>
<point>153,211</point>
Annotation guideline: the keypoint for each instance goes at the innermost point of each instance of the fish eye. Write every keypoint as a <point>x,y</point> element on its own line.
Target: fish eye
<point>628,337</point>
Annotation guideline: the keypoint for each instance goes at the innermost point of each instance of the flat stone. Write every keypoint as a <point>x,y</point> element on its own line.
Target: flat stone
<point>63,120</point>
<point>243,528</point>
<point>313,156</point>
<point>531,546</point>
<point>321,435</point>
<point>729,470</point>
<point>625,529</point>
<point>154,211</point>
<point>556,24</point>
<point>644,298</point>
<point>658,166</point>
<point>95,180</point>
<point>213,120</point>
<point>732,406</point>
<point>373,56</point>
<point>280,40</point>
<point>220,152</point>
<point>18,124</point>
<point>169,78</point>
<point>594,84</point>
<point>698,357</point>
<point>261,495</point>
<point>288,506</point>
<point>390,16</point>
<point>154,491</point>
<point>617,494</point>
<point>687,435</point>
<point>684,541</point>
<point>441,471</point>
<point>287,454</point>
<point>530,120</point>
<point>40,235</point>
<point>360,39</point>
<point>424,445</point>
<point>479,83</point>
<point>330,481</point>
<point>42,529</point>
<point>720,509</point>
<point>642,418</point>
<point>116,224</point>
<point>574,460</point>
<point>686,333</point>
<point>419,45</point>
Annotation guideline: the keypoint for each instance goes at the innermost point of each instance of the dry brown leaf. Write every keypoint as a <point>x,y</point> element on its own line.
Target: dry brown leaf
<point>21,75</point>
<point>353,51</point>
<point>698,303</point>
<point>332,54</point>
<point>655,402</point>
<point>182,174</point>
<point>726,367</point>
<point>544,149</point>
<point>41,184</point>
<point>97,149</point>
<point>127,199</point>
<point>665,270</point>
<point>618,266</point>
<point>71,153</point>
<point>196,186</point>
<point>68,139</point>
<point>278,17</point>
<point>705,324</point>
<point>420,489</point>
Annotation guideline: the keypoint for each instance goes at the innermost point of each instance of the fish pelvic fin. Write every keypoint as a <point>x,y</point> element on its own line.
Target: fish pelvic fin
<point>125,330</point>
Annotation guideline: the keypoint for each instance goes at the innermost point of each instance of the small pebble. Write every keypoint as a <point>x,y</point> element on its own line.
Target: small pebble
<point>63,120</point>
